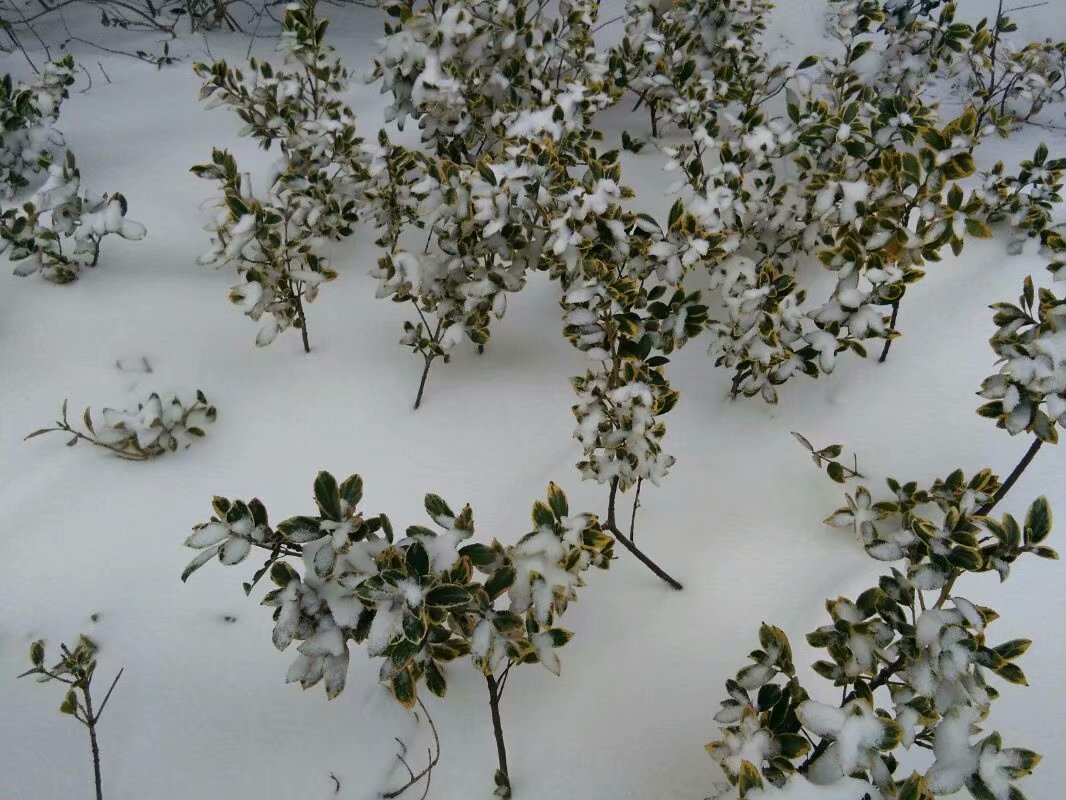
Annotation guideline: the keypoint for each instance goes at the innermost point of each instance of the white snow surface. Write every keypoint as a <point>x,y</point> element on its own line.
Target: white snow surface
<point>203,709</point>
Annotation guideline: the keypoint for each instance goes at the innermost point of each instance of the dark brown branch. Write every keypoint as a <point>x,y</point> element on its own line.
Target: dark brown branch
<point>497,725</point>
<point>612,527</point>
<point>1016,473</point>
<point>892,327</point>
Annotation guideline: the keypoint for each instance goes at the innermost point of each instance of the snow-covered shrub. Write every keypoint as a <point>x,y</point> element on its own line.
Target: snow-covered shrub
<point>76,669</point>
<point>861,174</point>
<point>1026,200</point>
<point>274,251</point>
<point>28,113</point>
<point>468,70</point>
<point>273,238</point>
<point>34,233</point>
<point>480,243</point>
<point>155,427</point>
<point>912,657</point>
<point>1028,391</point>
<point>626,309</point>
<point>687,58</point>
<point>1013,81</point>
<point>488,84</point>
<point>418,602</point>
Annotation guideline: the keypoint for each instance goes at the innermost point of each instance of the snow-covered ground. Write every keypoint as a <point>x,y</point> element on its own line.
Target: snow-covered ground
<point>202,709</point>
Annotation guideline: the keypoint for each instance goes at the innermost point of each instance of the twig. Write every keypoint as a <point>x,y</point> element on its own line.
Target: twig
<point>426,773</point>
<point>1016,473</point>
<point>633,515</point>
<point>612,527</point>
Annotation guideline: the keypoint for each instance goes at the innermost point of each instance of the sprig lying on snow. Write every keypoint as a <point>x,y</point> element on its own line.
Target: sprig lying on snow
<point>157,426</point>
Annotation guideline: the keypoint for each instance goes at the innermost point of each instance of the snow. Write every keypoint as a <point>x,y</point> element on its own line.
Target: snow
<point>799,789</point>
<point>738,520</point>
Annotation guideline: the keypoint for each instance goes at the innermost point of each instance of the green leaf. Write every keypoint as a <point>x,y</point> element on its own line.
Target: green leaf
<point>70,703</point>
<point>236,206</point>
<point>435,679</point>
<point>327,496</point>
<point>500,581</point>
<point>836,472</point>
<point>1038,521</point>
<point>748,778</point>
<point>414,627</point>
<point>557,500</point>
<point>480,555</point>
<point>417,560</point>
<point>282,574</point>
<point>37,653</point>
<point>351,490</point>
<point>1013,649</point>
<point>560,636</point>
<point>448,595</point>
<point>792,745</point>
<point>543,516</point>
<point>403,688</point>
<point>1013,673</point>
<point>439,510</point>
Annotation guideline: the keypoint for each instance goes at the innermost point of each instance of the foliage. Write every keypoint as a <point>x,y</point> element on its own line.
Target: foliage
<point>417,602</point>
<point>273,240</point>
<point>933,656</point>
<point>1028,392</point>
<point>157,426</point>
<point>862,174</point>
<point>27,115</point>
<point>34,233</point>
<point>76,669</point>
<point>914,669</point>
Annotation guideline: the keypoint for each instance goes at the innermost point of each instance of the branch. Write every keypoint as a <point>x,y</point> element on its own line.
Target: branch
<point>426,773</point>
<point>107,696</point>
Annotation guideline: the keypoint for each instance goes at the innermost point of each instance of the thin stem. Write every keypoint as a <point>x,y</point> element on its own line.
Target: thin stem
<point>892,326</point>
<point>1016,473</point>
<point>738,378</point>
<point>425,773</point>
<point>90,723</point>
<point>612,526</point>
<point>107,696</point>
<point>633,515</point>
<point>303,320</point>
<point>497,725</point>
<point>422,382</point>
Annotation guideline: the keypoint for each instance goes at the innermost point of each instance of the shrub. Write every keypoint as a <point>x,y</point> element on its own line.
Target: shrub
<point>911,634</point>
<point>76,669</point>
<point>417,602</point>
<point>273,239</point>
<point>34,233</point>
<point>27,114</point>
